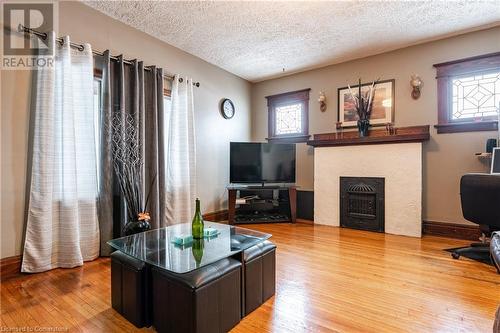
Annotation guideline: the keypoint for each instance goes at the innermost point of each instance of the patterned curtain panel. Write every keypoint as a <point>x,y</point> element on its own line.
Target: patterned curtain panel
<point>180,172</point>
<point>62,225</point>
<point>131,96</point>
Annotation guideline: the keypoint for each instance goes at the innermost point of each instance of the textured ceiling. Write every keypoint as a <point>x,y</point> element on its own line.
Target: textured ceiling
<point>256,40</point>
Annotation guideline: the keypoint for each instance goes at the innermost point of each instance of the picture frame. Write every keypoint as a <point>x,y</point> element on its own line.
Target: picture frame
<point>382,109</point>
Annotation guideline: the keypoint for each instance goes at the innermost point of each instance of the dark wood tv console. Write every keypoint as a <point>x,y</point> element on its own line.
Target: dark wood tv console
<point>274,204</point>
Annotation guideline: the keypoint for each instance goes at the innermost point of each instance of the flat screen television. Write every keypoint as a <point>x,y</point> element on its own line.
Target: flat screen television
<point>261,163</point>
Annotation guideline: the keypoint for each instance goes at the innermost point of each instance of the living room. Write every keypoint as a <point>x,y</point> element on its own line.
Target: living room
<point>203,98</point>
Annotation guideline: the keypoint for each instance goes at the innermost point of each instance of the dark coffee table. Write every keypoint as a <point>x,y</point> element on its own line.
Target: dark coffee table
<point>147,263</point>
<point>156,247</point>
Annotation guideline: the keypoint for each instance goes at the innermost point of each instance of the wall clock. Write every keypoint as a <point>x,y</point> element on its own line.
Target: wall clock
<point>227,108</point>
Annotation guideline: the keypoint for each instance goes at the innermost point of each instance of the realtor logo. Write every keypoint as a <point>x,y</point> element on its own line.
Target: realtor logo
<point>21,50</point>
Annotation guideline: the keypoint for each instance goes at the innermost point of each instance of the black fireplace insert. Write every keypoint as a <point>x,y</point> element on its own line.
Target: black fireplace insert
<point>362,203</point>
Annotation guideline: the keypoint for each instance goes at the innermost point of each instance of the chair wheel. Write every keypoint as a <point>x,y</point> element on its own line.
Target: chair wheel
<point>455,255</point>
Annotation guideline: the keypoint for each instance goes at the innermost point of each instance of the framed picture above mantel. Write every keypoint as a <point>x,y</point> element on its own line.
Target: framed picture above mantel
<point>382,109</point>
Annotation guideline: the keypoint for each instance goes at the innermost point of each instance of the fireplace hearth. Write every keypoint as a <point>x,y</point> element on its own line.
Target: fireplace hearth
<point>362,203</point>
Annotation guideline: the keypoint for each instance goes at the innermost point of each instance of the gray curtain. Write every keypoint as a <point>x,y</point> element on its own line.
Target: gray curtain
<point>131,96</point>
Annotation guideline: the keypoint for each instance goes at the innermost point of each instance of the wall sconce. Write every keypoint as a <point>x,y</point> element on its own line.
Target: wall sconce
<point>322,101</point>
<point>416,83</point>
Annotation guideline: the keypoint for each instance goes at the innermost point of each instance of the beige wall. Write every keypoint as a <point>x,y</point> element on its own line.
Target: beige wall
<point>445,157</point>
<point>213,133</point>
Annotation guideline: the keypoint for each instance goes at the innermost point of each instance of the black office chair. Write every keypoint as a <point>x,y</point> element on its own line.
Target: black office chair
<point>495,253</point>
<point>480,196</point>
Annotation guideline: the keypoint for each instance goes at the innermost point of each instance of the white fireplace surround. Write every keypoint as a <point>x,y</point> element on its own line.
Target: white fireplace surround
<point>399,163</point>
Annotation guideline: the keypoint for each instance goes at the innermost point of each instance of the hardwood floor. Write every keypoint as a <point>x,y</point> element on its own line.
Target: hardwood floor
<point>328,280</point>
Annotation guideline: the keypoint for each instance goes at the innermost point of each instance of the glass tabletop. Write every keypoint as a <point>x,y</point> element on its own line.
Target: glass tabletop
<point>157,247</point>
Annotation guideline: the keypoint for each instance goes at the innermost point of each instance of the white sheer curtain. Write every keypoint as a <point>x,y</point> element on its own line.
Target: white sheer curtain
<point>180,154</point>
<point>62,227</point>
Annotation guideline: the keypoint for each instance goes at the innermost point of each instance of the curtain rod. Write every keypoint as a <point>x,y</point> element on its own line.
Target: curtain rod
<point>80,47</point>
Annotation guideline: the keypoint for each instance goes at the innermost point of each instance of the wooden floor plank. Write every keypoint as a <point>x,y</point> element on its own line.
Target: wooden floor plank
<point>328,280</point>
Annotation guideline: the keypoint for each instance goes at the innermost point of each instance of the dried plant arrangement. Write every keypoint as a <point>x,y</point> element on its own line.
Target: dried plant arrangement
<point>363,103</point>
<point>128,165</point>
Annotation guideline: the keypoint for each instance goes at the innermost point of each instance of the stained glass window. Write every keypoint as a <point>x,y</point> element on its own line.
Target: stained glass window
<point>289,119</point>
<point>476,97</point>
<point>287,116</point>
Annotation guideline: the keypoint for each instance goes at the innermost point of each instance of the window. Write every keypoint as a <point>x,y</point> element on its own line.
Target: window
<point>97,122</point>
<point>289,119</point>
<point>167,109</point>
<point>288,115</point>
<point>469,94</point>
<point>476,96</point>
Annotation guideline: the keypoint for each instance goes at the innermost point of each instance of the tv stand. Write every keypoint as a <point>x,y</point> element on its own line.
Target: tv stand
<point>258,187</point>
<point>264,204</point>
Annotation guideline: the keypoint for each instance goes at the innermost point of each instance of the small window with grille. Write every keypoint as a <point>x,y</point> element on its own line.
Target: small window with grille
<point>476,97</point>
<point>469,94</point>
<point>288,116</point>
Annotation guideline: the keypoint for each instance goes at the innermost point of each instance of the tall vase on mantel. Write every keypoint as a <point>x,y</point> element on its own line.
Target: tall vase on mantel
<point>363,102</point>
<point>363,126</point>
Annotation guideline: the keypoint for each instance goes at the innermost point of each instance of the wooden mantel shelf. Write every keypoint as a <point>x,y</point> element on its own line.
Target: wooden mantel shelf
<point>378,136</point>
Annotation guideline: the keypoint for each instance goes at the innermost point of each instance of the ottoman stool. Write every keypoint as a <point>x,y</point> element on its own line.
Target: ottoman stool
<point>207,299</point>
<point>259,275</point>
<point>130,291</point>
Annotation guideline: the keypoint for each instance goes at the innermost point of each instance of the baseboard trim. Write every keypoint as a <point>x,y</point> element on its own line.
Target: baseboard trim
<point>442,229</point>
<point>305,221</point>
<point>220,215</point>
<point>451,230</point>
<point>10,267</point>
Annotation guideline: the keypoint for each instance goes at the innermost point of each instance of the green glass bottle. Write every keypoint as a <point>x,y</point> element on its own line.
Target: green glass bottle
<point>197,249</point>
<point>197,225</point>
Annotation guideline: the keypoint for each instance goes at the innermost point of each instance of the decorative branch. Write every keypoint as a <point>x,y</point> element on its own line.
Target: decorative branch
<point>149,193</point>
<point>128,163</point>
